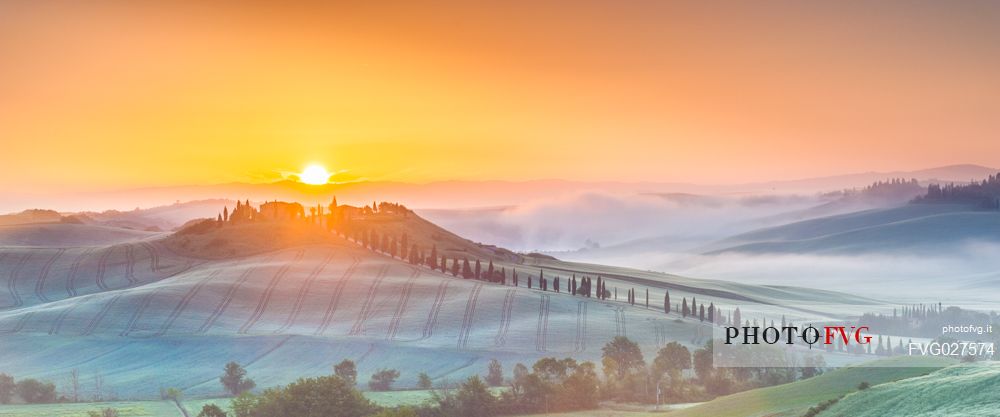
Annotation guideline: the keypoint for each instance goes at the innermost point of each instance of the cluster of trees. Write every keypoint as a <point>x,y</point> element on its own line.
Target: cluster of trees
<point>920,320</point>
<point>895,189</point>
<point>550,385</point>
<point>29,390</point>
<point>678,375</point>
<point>985,193</point>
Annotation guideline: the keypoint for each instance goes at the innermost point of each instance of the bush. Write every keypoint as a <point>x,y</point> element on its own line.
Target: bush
<point>107,412</point>
<point>33,391</point>
<point>234,379</point>
<point>819,408</point>
<point>211,410</point>
<point>383,379</point>
<point>424,381</point>
<point>864,385</point>
<point>7,388</point>
<point>326,396</point>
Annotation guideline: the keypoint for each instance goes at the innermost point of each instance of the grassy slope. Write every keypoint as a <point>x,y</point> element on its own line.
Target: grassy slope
<point>910,227</point>
<point>793,399</point>
<point>958,390</point>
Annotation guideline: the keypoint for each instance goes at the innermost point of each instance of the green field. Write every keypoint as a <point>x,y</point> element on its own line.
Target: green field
<point>383,398</point>
<point>954,391</point>
<point>125,409</point>
<point>795,398</point>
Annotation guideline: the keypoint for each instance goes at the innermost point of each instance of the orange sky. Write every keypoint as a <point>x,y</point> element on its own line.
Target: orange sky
<point>120,95</point>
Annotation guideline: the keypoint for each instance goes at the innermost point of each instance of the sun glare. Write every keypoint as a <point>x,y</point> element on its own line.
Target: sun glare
<point>314,175</point>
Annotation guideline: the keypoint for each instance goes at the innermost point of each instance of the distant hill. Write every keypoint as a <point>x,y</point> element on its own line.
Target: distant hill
<point>30,216</point>
<point>970,390</point>
<point>462,194</point>
<point>920,227</point>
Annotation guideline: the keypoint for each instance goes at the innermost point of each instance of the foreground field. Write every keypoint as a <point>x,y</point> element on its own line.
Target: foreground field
<point>971,390</point>
<point>125,409</point>
<point>795,398</point>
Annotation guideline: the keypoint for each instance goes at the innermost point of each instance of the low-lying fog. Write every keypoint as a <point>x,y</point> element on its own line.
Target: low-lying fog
<point>669,232</point>
<point>604,220</point>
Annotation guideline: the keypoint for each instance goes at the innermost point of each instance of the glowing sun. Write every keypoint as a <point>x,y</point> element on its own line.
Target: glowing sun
<point>314,175</point>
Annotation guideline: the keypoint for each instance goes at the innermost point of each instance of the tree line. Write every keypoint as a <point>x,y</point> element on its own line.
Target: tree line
<point>550,385</point>
<point>985,193</point>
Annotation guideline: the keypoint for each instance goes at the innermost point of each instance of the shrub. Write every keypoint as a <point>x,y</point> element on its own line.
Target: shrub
<point>211,410</point>
<point>424,381</point>
<point>107,412</point>
<point>326,396</point>
<point>383,379</point>
<point>33,391</point>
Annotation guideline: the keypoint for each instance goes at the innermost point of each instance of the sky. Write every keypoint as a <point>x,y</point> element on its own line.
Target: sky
<point>108,95</point>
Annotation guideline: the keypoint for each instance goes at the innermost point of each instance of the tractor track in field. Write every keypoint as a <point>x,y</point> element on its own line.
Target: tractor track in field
<point>20,323</point>
<point>581,326</point>
<point>130,265</point>
<point>335,298</point>
<point>620,329</point>
<point>143,305</point>
<point>94,322</point>
<point>256,359</point>
<point>181,305</point>
<point>359,324</point>
<point>12,282</point>
<point>469,316</point>
<point>102,267</point>
<point>58,322</point>
<point>432,315</point>
<point>541,332</point>
<point>74,271</point>
<point>303,291</point>
<point>508,308</point>
<point>265,298</point>
<point>154,256</point>
<point>226,299</point>
<point>44,274</point>
<point>404,298</point>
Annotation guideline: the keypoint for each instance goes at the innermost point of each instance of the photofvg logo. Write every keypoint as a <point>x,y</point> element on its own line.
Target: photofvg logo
<point>790,335</point>
<point>842,335</point>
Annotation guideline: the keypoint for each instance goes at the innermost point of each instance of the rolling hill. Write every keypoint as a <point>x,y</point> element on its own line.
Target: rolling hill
<point>968,390</point>
<point>909,228</point>
<point>143,316</point>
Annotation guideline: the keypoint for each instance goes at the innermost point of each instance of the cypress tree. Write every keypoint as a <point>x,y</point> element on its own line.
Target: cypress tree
<point>466,269</point>
<point>432,262</point>
<point>478,269</point>
<point>666,302</point>
<point>684,307</point>
<point>454,267</point>
<point>711,314</point>
<point>489,272</point>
